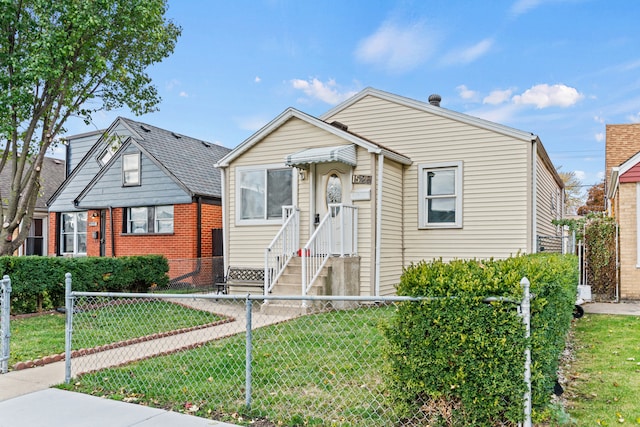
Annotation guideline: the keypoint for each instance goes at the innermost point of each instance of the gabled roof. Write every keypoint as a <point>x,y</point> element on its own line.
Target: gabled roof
<point>188,161</point>
<point>51,176</point>
<point>436,110</point>
<point>618,171</point>
<point>290,113</point>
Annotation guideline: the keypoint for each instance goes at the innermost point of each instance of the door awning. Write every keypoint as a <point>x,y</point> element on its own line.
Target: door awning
<point>343,153</point>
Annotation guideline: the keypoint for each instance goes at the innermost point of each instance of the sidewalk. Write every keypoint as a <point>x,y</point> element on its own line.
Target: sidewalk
<point>630,308</point>
<point>27,401</point>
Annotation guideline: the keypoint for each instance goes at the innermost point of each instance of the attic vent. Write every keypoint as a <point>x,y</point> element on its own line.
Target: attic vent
<point>144,128</point>
<point>339,125</point>
<point>435,99</point>
<point>176,135</point>
<point>205,144</point>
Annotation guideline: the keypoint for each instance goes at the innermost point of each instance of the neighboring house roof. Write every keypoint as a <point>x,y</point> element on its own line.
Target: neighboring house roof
<point>334,129</point>
<point>51,176</point>
<point>187,161</point>
<point>626,172</point>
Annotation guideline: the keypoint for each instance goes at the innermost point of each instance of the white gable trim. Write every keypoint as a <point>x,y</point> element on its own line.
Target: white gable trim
<point>293,113</point>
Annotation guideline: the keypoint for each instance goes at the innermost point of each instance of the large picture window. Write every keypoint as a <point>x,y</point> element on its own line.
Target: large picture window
<point>262,192</point>
<point>440,204</point>
<point>73,233</point>
<point>149,219</point>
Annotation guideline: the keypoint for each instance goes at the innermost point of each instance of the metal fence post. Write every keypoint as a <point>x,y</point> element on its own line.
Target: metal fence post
<point>525,308</point>
<point>5,313</point>
<point>68,328</point>
<point>248,357</point>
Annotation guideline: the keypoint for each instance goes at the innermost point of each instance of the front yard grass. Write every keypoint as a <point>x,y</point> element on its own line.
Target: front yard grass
<point>39,336</point>
<point>604,379</point>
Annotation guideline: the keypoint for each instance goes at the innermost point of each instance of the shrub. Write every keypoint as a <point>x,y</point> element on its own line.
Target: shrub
<point>38,283</point>
<point>460,361</point>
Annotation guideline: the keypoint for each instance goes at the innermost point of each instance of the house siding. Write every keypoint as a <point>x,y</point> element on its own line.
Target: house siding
<point>391,253</point>
<point>156,187</point>
<point>632,175</point>
<point>548,201</point>
<point>496,218</point>
<point>628,221</point>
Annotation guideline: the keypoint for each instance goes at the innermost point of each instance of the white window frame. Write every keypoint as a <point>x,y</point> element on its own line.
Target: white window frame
<point>152,225</point>
<point>75,233</point>
<point>113,143</point>
<point>238,192</point>
<point>423,169</point>
<point>137,169</point>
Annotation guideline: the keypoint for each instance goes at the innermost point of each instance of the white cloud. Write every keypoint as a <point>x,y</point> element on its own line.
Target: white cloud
<point>469,54</point>
<point>183,94</point>
<point>327,92</point>
<point>466,93</point>
<point>524,6</point>
<point>257,79</point>
<point>598,119</point>
<point>172,84</point>
<point>497,97</point>
<point>600,136</point>
<point>251,123</point>
<point>634,118</point>
<point>543,96</point>
<point>581,175</point>
<point>397,48</point>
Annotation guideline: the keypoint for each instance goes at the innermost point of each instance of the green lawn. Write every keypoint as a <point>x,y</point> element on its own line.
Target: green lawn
<point>39,336</point>
<point>604,378</point>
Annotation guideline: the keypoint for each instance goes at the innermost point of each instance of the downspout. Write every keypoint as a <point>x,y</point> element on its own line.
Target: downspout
<point>113,238</point>
<point>199,231</point>
<point>225,219</point>
<point>534,196</point>
<point>378,223</point>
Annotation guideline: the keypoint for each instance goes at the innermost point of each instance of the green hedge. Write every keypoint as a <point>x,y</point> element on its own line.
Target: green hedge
<point>460,361</point>
<point>38,283</point>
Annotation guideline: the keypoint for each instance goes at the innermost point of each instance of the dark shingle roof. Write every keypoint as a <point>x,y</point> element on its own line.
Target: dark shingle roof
<point>189,160</point>
<point>51,177</point>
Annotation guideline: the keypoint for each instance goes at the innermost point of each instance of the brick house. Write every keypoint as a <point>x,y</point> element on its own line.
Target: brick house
<point>622,186</point>
<point>136,189</point>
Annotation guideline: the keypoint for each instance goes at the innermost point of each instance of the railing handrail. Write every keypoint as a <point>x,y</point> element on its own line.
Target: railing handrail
<point>307,282</point>
<point>274,265</point>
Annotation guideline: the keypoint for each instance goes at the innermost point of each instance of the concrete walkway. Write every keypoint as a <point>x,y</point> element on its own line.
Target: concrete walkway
<point>26,399</point>
<point>630,308</point>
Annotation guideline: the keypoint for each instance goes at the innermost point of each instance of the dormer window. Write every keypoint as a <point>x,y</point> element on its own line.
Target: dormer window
<point>130,169</point>
<point>113,143</point>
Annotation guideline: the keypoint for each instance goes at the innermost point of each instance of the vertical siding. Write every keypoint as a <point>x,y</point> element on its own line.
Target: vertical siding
<point>548,201</point>
<point>495,179</point>
<point>391,239</point>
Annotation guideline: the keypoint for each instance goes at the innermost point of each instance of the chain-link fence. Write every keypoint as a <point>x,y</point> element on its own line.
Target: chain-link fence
<point>265,360</point>
<point>194,274</point>
<point>5,313</point>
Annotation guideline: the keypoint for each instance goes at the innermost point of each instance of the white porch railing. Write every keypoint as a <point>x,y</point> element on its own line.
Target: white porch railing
<point>282,247</point>
<point>337,234</point>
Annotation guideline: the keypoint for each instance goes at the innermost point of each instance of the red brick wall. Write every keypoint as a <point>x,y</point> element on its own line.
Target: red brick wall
<point>623,141</point>
<point>179,245</point>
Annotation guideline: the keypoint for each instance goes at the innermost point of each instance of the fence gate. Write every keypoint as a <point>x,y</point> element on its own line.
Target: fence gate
<point>5,311</point>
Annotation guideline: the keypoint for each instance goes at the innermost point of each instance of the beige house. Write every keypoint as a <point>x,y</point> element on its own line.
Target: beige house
<point>377,183</point>
<point>623,201</point>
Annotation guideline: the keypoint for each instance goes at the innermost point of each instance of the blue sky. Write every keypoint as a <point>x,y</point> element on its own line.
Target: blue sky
<point>561,69</point>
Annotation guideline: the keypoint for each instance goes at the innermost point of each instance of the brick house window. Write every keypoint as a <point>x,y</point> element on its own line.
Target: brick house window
<point>73,233</point>
<point>148,219</point>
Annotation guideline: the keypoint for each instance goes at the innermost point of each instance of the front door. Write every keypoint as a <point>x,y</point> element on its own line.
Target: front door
<point>333,186</point>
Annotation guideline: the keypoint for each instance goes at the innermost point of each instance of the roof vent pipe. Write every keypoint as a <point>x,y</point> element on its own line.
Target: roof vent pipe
<point>435,99</point>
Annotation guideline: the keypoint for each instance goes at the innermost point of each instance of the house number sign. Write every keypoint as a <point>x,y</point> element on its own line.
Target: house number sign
<point>362,179</point>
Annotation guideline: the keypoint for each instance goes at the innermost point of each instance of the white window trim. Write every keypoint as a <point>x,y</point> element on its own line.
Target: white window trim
<point>238,197</point>
<point>75,234</point>
<point>422,210</point>
<point>131,184</point>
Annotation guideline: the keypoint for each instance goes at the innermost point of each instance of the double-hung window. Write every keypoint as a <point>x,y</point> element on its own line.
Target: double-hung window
<point>148,219</point>
<point>73,233</point>
<point>440,193</point>
<point>261,192</point>
<point>130,169</point>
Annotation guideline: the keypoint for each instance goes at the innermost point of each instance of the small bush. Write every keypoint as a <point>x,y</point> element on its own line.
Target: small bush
<point>460,361</point>
<point>38,283</point>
